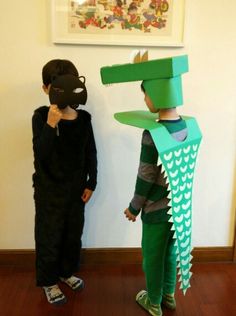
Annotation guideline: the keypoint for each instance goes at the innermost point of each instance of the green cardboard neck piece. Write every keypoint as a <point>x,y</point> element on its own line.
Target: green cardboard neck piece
<point>149,121</point>
<point>141,119</point>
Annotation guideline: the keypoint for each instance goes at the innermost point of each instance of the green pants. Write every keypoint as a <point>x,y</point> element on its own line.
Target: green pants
<point>159,260</point>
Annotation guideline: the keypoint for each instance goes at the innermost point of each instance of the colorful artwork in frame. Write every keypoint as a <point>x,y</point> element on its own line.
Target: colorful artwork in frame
<point>118,22</point>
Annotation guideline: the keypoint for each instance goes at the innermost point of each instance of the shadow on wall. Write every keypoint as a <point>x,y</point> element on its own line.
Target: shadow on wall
<point>105,223</point>
<point>16,164</point>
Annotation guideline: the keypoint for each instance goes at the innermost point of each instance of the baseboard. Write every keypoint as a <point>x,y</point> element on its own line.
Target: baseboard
<point>213,254</point>
<point>116,256</point>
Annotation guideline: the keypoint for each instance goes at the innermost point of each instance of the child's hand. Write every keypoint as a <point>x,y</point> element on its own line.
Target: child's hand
<point>129,215</point>
<point>86,195</point>
<point>54,115</point>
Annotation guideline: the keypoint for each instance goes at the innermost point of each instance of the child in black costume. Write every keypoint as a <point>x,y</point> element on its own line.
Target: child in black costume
<point>65,177</point>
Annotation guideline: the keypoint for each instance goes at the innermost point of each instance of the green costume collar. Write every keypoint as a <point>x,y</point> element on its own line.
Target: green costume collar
<point>149,121</point>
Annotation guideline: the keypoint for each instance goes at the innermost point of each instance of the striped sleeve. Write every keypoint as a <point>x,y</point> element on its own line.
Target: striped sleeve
<point>148,172</point>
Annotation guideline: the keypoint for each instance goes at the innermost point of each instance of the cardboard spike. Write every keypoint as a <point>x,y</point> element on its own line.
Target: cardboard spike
<point>181,286</point>
<point>159,162</point>
<point>135,56</point>
<point>173,227</point>
<point>163,169</point>
<point>144,55</point>
<point>169,187</point>
<point>178,258</point>
<point>170,203</point>
<point>178,265</point>
<point>171,220</point>
<point>180,279</point>
<point>177,251</point>
<point>184,291</point>
<point>175,236</point>
<point>179,272</point>
<point>169,195</point>
<point>170,211</point>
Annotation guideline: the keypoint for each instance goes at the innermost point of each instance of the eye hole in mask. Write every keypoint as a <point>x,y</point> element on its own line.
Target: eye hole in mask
<point>78,90</point>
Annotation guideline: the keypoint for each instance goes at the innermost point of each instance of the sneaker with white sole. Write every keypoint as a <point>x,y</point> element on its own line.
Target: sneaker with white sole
<point>54,295</point>
<point>74,283</point>
<point>168,300</point>
<point>143,300</point>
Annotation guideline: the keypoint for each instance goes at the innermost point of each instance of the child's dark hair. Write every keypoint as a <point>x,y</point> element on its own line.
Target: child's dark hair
<point>57,67</point>
<point>142,87</point>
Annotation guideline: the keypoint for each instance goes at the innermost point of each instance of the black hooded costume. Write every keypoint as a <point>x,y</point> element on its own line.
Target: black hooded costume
<point>65,164</point>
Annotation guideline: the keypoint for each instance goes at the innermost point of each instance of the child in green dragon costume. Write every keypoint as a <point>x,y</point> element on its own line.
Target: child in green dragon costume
<point>163,188</point>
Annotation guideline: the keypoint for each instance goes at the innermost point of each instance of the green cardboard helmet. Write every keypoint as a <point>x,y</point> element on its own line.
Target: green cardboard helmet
<point>161,78</point>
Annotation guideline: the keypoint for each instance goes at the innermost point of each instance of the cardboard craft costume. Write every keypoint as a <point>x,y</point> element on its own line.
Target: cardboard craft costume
<point>68,90</point>
<point>162,82</point>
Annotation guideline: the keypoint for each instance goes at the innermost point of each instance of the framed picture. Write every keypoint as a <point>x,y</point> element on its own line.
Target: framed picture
<point>118,22</point>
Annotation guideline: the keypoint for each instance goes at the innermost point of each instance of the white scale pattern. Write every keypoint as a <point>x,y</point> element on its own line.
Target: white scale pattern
<point>179,166</point>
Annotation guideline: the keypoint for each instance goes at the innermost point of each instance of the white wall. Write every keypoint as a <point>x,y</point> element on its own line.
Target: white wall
<point>210,95</point>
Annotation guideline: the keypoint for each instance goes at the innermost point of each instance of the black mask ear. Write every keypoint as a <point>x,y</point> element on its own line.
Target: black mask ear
<point>68,90</point>
<point>82,79</point>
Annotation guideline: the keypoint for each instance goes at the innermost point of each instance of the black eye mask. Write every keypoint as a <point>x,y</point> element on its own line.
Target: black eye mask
<point>68,90</point>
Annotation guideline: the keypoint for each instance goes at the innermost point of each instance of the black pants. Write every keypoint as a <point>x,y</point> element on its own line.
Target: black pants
<point>58,230</point>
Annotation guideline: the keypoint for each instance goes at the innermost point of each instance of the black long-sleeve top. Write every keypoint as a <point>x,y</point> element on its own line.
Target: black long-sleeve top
<point>65,156</point>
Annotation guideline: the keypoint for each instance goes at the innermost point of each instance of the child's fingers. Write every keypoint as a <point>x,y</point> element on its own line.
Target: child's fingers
<point>129,216</point>
<point>86,195</point>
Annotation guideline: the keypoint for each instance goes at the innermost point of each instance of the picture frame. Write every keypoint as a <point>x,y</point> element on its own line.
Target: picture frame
<point>118,22</point>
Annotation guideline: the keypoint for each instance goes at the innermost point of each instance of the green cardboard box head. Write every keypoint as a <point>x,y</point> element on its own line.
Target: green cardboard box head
<point>161,78</point>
